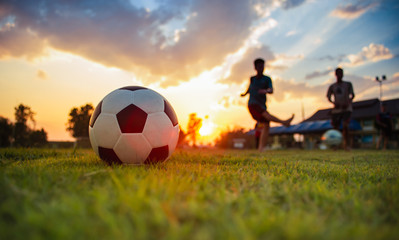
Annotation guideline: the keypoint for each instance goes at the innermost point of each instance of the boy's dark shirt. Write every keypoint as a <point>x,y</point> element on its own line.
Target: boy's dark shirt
<point>256,84</point>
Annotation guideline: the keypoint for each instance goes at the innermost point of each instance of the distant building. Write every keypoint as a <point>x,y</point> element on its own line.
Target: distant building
<point>362,127</point>
<point>239,143</point>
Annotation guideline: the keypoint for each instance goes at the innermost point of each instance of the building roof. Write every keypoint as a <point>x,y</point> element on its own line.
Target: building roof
<point>392,106</point>
<point>362,109</point>
<point>311,127</point>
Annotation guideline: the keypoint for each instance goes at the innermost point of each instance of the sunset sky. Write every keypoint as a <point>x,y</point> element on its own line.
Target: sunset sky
<point>56,55</point>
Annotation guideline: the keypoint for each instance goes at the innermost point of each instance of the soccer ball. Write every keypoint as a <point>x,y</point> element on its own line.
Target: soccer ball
<point>332,137</point>
<point>134,125</point>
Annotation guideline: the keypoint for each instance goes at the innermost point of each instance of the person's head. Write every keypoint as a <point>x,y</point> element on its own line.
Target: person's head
<point>259,65</point>
<point>339,73</point>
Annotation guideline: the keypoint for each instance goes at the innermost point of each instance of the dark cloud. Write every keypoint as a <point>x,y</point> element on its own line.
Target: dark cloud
<point>317,74</point>
<point>18,42</point>
<point>118,34</point>
<point>338,58</point>
<point>354,10</point>
<point>287,4</point>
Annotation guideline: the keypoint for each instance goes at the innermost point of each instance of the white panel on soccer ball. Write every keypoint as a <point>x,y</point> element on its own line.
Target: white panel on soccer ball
<point>93,141</point>
<point>148,100</point>
<point>106,130</point>
<point>174,139</point>
<point>158,129</point>
<point>117,100</point>
<point>132,148</point>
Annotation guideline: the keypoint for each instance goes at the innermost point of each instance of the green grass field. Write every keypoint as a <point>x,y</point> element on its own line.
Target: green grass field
<point>208,194</point>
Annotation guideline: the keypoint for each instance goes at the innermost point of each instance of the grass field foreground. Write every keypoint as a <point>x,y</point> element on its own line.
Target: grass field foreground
<point>200,194</point>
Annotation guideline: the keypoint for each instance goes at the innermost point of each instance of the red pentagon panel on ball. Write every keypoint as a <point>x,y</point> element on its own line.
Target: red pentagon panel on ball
<point>131,119</point>
<point>109,156</point>
<point>170,113</point>
<point>96,113</point>
<point>157,155</point>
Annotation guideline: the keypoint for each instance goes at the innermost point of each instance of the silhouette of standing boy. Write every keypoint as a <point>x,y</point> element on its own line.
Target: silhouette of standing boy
<point>259,86</point>
<point>342,111</point>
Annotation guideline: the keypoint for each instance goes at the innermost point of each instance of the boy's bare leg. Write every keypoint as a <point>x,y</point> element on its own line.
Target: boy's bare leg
<point>345,135</point>
<point>379,142</point>
<point>264,135</point>
<point>272,118</point>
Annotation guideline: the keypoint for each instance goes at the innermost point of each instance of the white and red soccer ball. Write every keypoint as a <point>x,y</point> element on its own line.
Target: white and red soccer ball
<point>134,125</point>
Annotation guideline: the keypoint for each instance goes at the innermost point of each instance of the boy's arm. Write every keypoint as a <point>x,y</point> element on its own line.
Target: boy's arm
<point>379,122</point>
<point>351,92</point>
<point>268,89</point>
<point>246,92</point>
<point>265,91</point>
<point>329,93</point>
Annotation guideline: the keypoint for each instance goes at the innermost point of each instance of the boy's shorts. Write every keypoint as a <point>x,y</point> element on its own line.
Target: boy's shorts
<point>336,119</point>
<point>256,112</point>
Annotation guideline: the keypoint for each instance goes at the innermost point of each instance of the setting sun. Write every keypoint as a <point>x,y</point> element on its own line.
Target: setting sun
<point>206,129</point>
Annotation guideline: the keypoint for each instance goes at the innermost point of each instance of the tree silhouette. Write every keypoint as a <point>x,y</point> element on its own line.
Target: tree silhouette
<point>37,138</point>
<point>22,114</point>
<point>6,128</point>
<point>182,137</point>
<point>25,136</point>
<point>193,126</point>
<point>78,122</point>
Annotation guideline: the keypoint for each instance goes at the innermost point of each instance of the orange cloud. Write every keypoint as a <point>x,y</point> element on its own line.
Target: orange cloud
<point>371,53</point>
<point>167,45</point>
<point>118,34</point>
<point>284,88</point>
<point>41,74</point>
